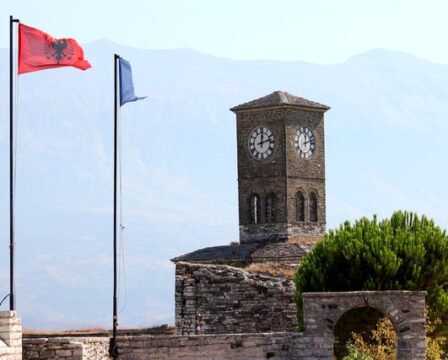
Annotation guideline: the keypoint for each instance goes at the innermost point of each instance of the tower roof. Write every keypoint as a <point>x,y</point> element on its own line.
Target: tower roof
<point>248,253</point>
<point>280,98</point>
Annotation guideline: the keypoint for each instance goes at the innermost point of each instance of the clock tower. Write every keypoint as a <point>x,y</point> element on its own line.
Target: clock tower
<point>281,169</point>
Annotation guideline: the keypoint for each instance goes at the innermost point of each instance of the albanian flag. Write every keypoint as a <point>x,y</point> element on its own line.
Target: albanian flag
<point>40,51</point>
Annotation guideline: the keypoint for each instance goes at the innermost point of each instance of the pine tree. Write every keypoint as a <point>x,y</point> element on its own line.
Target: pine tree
<point>405,252</point>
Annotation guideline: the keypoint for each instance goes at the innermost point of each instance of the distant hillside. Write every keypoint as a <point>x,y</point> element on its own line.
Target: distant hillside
<point>385,143</point>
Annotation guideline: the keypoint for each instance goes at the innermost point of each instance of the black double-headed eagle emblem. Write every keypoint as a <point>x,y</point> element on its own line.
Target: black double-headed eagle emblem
<point>59,49</point>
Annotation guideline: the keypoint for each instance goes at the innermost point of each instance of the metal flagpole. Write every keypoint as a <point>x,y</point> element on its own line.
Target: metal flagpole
<point>115,312</point>
<point>12,298</point>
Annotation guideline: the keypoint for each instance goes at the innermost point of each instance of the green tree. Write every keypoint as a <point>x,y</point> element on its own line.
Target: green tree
<point>405,252</point>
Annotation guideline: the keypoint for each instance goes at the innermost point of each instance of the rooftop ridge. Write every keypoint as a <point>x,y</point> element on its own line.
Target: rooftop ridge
<point>280,98</point>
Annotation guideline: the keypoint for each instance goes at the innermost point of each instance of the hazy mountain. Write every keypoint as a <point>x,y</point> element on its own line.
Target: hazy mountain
<point>385,144</point>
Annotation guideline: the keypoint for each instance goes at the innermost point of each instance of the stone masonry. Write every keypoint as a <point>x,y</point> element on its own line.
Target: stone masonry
<point>322,311</point>
<point>10,336</point>
<point>406,309</point>
<point>220,299</point>
<point>284,173</point>
<point>67,348</point>
<point>274,346</point>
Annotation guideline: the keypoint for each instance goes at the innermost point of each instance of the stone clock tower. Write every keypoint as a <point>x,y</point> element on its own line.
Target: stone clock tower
<point>281,169</point>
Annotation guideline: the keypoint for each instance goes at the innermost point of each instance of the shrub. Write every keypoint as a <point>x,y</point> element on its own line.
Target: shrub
<point>380,344</point>
<point>405,252</point>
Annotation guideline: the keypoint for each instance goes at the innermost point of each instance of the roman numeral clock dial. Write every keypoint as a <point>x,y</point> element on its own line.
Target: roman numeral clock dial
<point>261,143</point>
<point>305,143</point>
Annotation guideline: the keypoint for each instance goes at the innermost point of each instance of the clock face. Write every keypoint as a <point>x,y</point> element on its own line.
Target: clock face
<point>305,143</point>
<point>261,143</point>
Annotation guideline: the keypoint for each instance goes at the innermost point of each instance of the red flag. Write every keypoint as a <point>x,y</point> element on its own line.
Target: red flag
<point>40,51</point>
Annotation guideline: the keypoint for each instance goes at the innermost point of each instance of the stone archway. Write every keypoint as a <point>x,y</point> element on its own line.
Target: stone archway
<point>406,309</point>
<point>363,321</point>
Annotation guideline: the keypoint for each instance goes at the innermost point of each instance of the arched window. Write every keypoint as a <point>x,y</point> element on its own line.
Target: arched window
<point>313,206</point>
<point>254,209</point>
<point>270,208</point>
<point>300,206</point>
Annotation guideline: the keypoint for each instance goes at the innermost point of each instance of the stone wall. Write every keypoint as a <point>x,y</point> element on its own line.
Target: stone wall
<point>283,173</point>
<point>67,348</point>
<point>275,346</point>
<point>220,299</point>
<point>10,336</point>
<point>406,309</point>
<point>322,311</point>
<point>305,232</point>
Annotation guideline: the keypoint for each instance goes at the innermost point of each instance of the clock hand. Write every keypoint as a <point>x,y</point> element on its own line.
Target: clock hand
<point>262,142</point>
<point>307,140</point>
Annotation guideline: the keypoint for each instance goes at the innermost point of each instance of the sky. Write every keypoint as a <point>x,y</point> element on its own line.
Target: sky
<point>318,31</point>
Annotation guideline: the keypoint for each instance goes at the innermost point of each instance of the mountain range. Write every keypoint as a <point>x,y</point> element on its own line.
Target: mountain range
<point>386,150</point>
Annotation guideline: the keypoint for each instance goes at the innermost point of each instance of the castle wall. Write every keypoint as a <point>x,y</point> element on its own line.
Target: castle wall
<point>322,311</point>
<point>67,348</point>
<point>10,336</point>
<point>406,310</point>
<point>220,299</point>
<point>275,346</point>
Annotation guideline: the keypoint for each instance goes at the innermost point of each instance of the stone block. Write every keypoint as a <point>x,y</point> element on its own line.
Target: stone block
<point>7,315</point>
<point>64,353</point>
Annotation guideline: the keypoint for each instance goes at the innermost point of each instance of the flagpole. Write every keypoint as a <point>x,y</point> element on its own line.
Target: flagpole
<point>115,305</point>
<point>12,299</point>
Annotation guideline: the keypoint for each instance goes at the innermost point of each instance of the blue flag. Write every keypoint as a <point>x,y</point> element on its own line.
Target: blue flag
<point>126,86</point>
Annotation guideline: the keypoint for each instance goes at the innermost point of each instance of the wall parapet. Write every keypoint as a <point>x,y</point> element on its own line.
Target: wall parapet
<point>275,346</point>
<point>374,293</point>
<point>68,348</point>
<point>10,336</point>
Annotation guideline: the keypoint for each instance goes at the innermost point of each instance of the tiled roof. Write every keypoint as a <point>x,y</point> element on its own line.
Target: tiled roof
<point>246,253</point>
<point>280,98</point>
<point>219,254</point>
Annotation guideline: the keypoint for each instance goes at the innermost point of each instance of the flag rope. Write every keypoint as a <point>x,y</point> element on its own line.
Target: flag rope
<point>121,263</point>
<point>118,150</point>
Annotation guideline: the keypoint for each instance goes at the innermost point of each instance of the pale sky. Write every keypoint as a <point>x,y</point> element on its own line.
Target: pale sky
<point>171,203</point>
<point>319,31</point>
